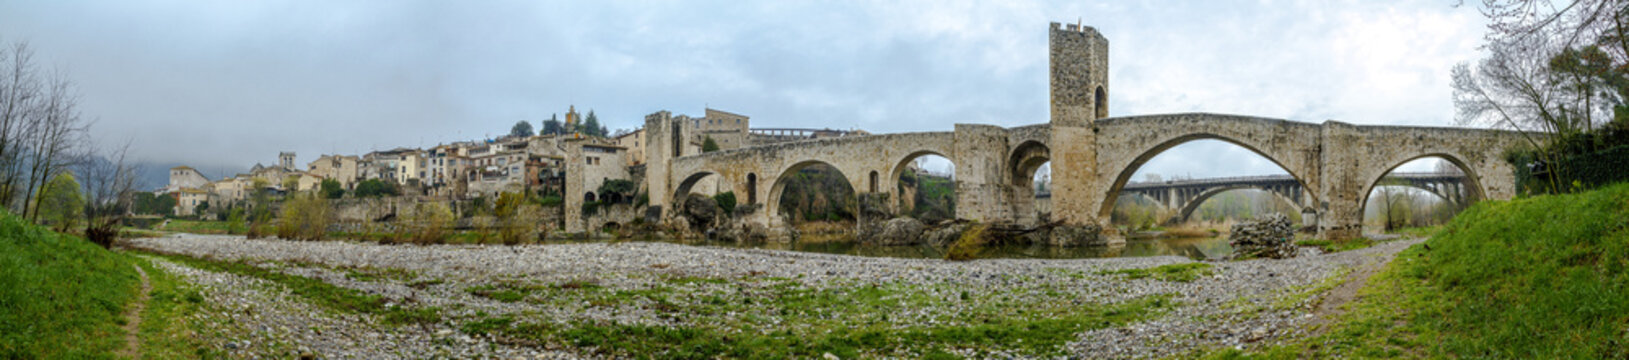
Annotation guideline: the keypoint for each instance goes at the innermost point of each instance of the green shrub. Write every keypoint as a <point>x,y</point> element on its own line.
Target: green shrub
<point>428,224</point>
<point>304,217</point>
<point>725,201</point>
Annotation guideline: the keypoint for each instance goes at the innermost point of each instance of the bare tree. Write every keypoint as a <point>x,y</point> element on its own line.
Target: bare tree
<point>1552,67</point>
<point>40,128</point>
<point>108,180</point>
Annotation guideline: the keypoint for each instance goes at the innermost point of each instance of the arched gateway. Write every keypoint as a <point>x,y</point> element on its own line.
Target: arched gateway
<point>1092,156</point>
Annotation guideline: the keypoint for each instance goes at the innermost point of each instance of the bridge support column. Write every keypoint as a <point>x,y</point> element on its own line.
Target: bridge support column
<point>1340,214</point>
<point>1075,185</point>
<point>982,189</point>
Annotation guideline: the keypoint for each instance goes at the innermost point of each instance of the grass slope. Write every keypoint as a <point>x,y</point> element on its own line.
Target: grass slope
<point>60,296</point>
<point>1537,278</point>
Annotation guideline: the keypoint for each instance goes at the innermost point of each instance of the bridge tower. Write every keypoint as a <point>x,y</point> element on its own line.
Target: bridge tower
<point>1080,74</point>
<point>1080,85</point>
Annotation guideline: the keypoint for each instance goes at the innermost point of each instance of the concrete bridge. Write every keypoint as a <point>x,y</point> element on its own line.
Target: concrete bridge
<point>1093,156</point>
<point>1186,195</point>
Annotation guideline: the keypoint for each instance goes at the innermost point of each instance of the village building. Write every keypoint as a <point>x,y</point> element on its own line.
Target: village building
<point>634,141</point>
<point>184,177</point>
<point>344,169</point>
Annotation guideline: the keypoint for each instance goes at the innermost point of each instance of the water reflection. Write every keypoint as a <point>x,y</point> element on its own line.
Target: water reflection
<point>1195,248</point>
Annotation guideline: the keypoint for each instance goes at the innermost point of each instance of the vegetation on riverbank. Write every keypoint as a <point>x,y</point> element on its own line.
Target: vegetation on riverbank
<point>753,318</point>
<point>319,292</point>
<point>1187,272</point>
<point>1541,277</point>
<point>60,296</point>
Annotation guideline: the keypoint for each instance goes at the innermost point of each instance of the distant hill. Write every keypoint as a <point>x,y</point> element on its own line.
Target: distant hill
<point>154,175</point>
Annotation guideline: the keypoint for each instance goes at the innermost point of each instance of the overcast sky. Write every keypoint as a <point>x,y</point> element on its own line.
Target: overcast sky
<point>226,84</point>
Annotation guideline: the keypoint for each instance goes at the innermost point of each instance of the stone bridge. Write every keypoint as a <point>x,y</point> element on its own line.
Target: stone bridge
<point>1093,156</point>
<point>1185,196</point>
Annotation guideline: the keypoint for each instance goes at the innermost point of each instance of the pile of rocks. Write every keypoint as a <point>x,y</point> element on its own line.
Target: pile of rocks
<point>1269,236</point>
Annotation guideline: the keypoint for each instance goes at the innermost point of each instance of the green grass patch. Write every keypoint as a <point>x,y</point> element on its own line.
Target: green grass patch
<point>169,329</point>
<point>1333,246</point>
<point>197,226</point>
<point>376,274</point>
<point>319,292</point>
<point>780,318</point>
<point>132,233</point>
<point>1541,277</point>
<point>1419,232</point>
<point>60,295</point>
<point>1187,272</point>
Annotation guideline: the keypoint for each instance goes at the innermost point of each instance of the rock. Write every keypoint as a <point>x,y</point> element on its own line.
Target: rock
<point>1077,235</point>
<point>701,211</point>
<point>1269,236</point>
<point>829,356</point>
<point>895,232</point>
<point>743,232</point>
<point>945,233</point>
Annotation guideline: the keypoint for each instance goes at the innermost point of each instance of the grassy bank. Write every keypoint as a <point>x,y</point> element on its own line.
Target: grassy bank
<point>60,296</point>
<point>1540,277</point>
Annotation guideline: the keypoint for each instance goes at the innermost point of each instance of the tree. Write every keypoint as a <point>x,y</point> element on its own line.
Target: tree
<point>149,204</point>
<point>1557,68</point>
<point>376,188</point>
<point>40,128</point>
<point>521,129</point>
<point>708,145</point>
<point>60,202</point>
<point>591,126</point>
<point>331,189</point>
<point>552,126</point>
<point>107,181</point>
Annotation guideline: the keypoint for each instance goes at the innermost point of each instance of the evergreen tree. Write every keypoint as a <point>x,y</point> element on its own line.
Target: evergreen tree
<point>708,145</point>
<point>591,126</point>
<point>552,126</point>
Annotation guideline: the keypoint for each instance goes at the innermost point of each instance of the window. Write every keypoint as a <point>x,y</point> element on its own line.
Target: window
<point>589,160</point>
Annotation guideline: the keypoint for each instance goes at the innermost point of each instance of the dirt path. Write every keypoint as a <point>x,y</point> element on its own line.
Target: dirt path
<point>1348,291</point>
<point>132,324</point>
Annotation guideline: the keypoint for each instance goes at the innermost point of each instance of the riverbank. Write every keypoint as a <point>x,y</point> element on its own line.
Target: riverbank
<point>567,299</point>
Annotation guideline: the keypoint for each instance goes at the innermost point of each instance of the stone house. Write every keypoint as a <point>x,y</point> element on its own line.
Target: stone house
<point>188,199</point>
<point>184,177</point>
<point>635,143</point>
<point>345,169</point>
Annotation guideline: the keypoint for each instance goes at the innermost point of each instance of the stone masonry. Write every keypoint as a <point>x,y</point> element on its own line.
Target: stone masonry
<point>1092,155</point>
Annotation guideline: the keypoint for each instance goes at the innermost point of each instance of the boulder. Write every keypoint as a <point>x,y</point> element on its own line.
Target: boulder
<point>1269,236</point>
<point>894,232</point>
<point>701,212</point>
<point>945,233</point>
<point>1076,235</point>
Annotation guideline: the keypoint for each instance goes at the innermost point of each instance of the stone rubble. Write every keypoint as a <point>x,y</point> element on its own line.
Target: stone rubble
<point>1269,236</point>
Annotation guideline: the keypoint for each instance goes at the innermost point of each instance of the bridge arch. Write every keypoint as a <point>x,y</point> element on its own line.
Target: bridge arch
<point>683,190</point>
<point>772,203</point>
<point>1473,188</point>
<point>1022,163</point>
<point>1125,173</point>
<point>1187,209</point>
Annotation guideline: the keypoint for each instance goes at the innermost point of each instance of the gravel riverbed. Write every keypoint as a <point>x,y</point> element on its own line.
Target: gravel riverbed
<point>1239,304</point>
